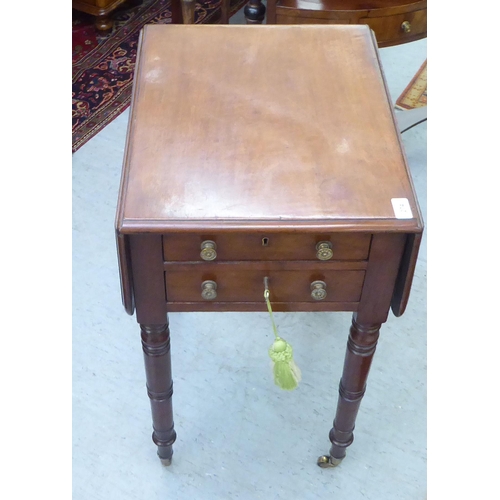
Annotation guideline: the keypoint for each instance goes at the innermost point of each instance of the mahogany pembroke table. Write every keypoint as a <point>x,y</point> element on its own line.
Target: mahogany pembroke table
<point>264,151</point>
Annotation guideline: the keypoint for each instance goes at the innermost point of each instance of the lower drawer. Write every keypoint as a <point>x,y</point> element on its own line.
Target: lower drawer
<point>233,282</point>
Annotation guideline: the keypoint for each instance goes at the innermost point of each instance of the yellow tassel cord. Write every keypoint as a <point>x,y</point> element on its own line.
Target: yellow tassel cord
<point>286,373</point>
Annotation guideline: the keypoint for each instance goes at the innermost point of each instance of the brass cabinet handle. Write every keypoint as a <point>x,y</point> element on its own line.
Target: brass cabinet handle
<point>324,250</point>
<point>208,250</point>
<point>406,26</point>
<point>209,290</point>
<point>318,290</point>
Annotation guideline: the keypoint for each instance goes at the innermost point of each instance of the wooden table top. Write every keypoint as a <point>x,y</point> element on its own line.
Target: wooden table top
<point>234,127</point>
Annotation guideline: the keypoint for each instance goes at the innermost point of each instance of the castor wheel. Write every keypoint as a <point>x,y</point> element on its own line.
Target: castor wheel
<point>326,461</point>
<point>164,453</point>
<point>165,460</point>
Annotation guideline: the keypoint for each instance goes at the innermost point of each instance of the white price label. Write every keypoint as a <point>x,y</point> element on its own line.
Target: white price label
<point>402,209</point>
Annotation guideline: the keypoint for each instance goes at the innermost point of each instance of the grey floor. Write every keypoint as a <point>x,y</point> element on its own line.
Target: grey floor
<point>238,435</point>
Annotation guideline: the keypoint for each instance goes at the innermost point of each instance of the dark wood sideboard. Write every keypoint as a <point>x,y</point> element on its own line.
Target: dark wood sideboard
<point>102,10</point>
<point>393,21</point>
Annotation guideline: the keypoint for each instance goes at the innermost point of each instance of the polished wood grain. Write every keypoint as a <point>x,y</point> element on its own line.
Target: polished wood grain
<point>242,142</point>
<point>264,141</point>
<point>393,21</point>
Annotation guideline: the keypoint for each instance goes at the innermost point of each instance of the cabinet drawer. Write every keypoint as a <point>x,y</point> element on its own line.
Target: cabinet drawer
<point>186,247</point>
<point>240,283</point>
<point>392,28</point>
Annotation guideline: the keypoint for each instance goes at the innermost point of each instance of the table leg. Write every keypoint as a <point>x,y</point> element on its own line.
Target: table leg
<point>225,9</point>
<point>103,23</point>
<point>360,350</point>
<point>156,347</point>
<point>255,12</point>
<point>188,7</point>
<point>176,8</point>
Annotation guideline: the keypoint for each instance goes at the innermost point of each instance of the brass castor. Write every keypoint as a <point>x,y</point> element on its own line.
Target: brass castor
<point>326,461</point>
<point>166,461</point>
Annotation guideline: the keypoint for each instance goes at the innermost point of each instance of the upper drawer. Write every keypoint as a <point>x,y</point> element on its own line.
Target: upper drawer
<point>187,247</point>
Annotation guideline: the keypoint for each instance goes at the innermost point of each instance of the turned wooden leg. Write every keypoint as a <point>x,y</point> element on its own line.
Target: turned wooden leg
<point>255,11</point>
<point>156,347</point>
<point>103,24</point>
<point>188,7</point>
<point>360,349</point>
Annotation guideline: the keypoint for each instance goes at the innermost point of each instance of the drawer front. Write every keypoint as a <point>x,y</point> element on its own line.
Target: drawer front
<point>398,28</point>
<point>235,283</point>
<point>186,247</point>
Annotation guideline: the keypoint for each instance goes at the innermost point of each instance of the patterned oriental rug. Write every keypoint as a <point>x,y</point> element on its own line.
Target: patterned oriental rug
<point>103,66</point>
<point>415,94</point>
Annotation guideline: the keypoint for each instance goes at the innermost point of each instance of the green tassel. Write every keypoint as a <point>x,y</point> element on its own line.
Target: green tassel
<point>286,373</point>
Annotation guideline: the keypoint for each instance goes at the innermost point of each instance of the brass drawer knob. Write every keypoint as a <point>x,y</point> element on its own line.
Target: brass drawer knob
<point>324,250</point>
<point>208,250</point>
<point>406,26</point>
<point>318,290</point>
<point>209,290</point>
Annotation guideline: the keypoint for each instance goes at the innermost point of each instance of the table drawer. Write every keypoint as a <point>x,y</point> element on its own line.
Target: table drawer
<point>288,282</point>
<point>187,247</point>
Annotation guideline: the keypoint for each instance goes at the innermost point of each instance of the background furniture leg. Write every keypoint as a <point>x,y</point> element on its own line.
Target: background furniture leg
<point>188,7</point>
<point>175,5</point>
<point>103,24</point>
<point>255,12</point>
<point>156,347</point>
<point>360,349</point>
<point>225,8</point>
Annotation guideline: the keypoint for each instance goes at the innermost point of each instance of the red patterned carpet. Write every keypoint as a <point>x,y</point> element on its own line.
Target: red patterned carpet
<point>103,67</point>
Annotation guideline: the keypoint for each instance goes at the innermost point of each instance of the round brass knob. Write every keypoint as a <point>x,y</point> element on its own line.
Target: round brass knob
<point>208,250</point>
<point>318,290</point>
<point>324,250</point>
<point>406,26</point>
<point>209,290</point>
